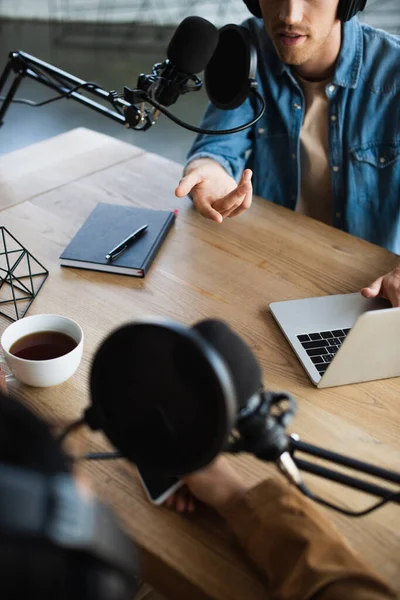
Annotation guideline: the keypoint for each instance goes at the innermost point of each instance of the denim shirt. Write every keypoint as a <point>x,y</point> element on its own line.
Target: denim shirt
<point>364,133</point>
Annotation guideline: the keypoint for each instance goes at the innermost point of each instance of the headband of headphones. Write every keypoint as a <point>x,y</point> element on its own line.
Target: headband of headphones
<point>347,9</point>
<point>50,508</point>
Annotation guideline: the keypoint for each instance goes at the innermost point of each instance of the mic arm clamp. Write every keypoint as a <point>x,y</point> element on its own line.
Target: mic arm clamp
<point>260,427</point>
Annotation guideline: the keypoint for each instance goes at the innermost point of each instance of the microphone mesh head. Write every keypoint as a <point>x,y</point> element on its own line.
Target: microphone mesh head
<point>229,70</point>
<point>192,45</point>
<point>163,397</point>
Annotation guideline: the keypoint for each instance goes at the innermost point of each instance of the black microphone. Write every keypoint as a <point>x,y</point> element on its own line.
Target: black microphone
<point>229,60</point>
<point>189,50</point>
<point>171,398</point>
<point>260,432</point>
<point>241,362</point>
<point>170,404</point>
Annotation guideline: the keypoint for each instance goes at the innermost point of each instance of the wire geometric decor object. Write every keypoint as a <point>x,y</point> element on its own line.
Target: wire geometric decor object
<point>21,277</point>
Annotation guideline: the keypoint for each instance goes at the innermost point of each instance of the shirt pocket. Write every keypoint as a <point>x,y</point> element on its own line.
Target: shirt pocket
<point>377,173</point>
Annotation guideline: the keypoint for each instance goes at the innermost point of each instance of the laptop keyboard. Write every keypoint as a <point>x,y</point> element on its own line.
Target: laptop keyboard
<point>322,346</point>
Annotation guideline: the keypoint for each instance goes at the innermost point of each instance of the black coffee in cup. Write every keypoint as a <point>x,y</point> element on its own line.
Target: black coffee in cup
<point>43,345</point>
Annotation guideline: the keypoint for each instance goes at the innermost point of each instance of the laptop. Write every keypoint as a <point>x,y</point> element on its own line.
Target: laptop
<point>343,338</point>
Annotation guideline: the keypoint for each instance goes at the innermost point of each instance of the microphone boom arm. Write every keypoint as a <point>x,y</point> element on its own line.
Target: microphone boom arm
<point>25,65</point>
<point>124,109</point>
<point>260,430</point>
<point>349,463</point>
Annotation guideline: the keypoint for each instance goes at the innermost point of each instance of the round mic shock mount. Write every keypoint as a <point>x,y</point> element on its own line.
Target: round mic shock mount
<point>261,426</point>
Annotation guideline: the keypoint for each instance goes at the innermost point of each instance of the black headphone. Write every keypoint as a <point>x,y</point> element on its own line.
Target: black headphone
<point>101,559</point>
<point>347,9</point>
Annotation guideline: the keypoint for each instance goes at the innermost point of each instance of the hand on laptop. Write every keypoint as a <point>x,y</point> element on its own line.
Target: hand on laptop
<point>387,286</point>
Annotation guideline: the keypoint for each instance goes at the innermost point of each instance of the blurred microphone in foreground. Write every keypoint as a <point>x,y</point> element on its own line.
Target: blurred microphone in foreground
<point>180,396</point>
<point>170,404</point>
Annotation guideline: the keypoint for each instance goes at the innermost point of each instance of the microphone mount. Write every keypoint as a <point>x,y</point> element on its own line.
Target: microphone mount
<point>128,109</point>
<point>260,426</point>
<point>174,83</point>
<point>261,430</point>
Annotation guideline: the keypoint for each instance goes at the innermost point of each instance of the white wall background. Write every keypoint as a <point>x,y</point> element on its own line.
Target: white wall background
<point>380,13</point>
<point>150,11</point>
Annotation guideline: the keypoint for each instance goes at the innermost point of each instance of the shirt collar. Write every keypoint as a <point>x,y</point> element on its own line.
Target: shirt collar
<point>349,62</point>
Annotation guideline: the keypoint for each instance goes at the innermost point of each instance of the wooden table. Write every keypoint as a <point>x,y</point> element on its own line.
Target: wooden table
<point>230,271</point>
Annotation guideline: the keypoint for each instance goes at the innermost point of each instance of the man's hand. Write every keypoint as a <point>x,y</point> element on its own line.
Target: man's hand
<point>215,485</point>
<point>215,194</point>
<point>387,286</point>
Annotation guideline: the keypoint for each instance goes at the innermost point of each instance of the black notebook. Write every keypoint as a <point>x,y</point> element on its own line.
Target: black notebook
<point>106,227</point>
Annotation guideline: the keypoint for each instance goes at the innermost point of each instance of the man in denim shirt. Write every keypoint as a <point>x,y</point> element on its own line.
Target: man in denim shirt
<point>328,144</point>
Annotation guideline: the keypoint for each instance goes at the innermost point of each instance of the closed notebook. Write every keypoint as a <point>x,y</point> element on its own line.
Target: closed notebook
<point>106,227</point>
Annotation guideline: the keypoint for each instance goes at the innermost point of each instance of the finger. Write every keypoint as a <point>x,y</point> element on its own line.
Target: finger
<point>374,289</point>
<point>225,206</point>
<point>246,176</point>
<point>207,211</point>
<point>170,501</point>
<point>244,206</point>
<point>235,199</point>
<point>241,207</point>
<point>180,504</point>
<point>191,507</point>
<point>395,300</point>
<point>187,183</point>
<point>393,294</point>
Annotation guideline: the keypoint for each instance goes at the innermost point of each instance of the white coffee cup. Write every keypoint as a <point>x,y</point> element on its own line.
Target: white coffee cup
<point>42,373</point>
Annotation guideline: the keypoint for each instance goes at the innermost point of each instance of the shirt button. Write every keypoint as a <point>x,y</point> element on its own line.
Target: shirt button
<point>335,168</point>
<point>338,215</point>
<point>293,156</point>
<point>333,118</point>
<point>332,88</point>
<point>261,130</point>
<point>297,106</point>
<point>382,160</point>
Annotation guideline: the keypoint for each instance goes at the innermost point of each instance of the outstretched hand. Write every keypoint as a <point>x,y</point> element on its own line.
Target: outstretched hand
<point>215,194</point>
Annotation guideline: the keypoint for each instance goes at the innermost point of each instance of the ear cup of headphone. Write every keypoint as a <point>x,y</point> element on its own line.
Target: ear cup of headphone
<point>254,7</point>
<point>347,9</point>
